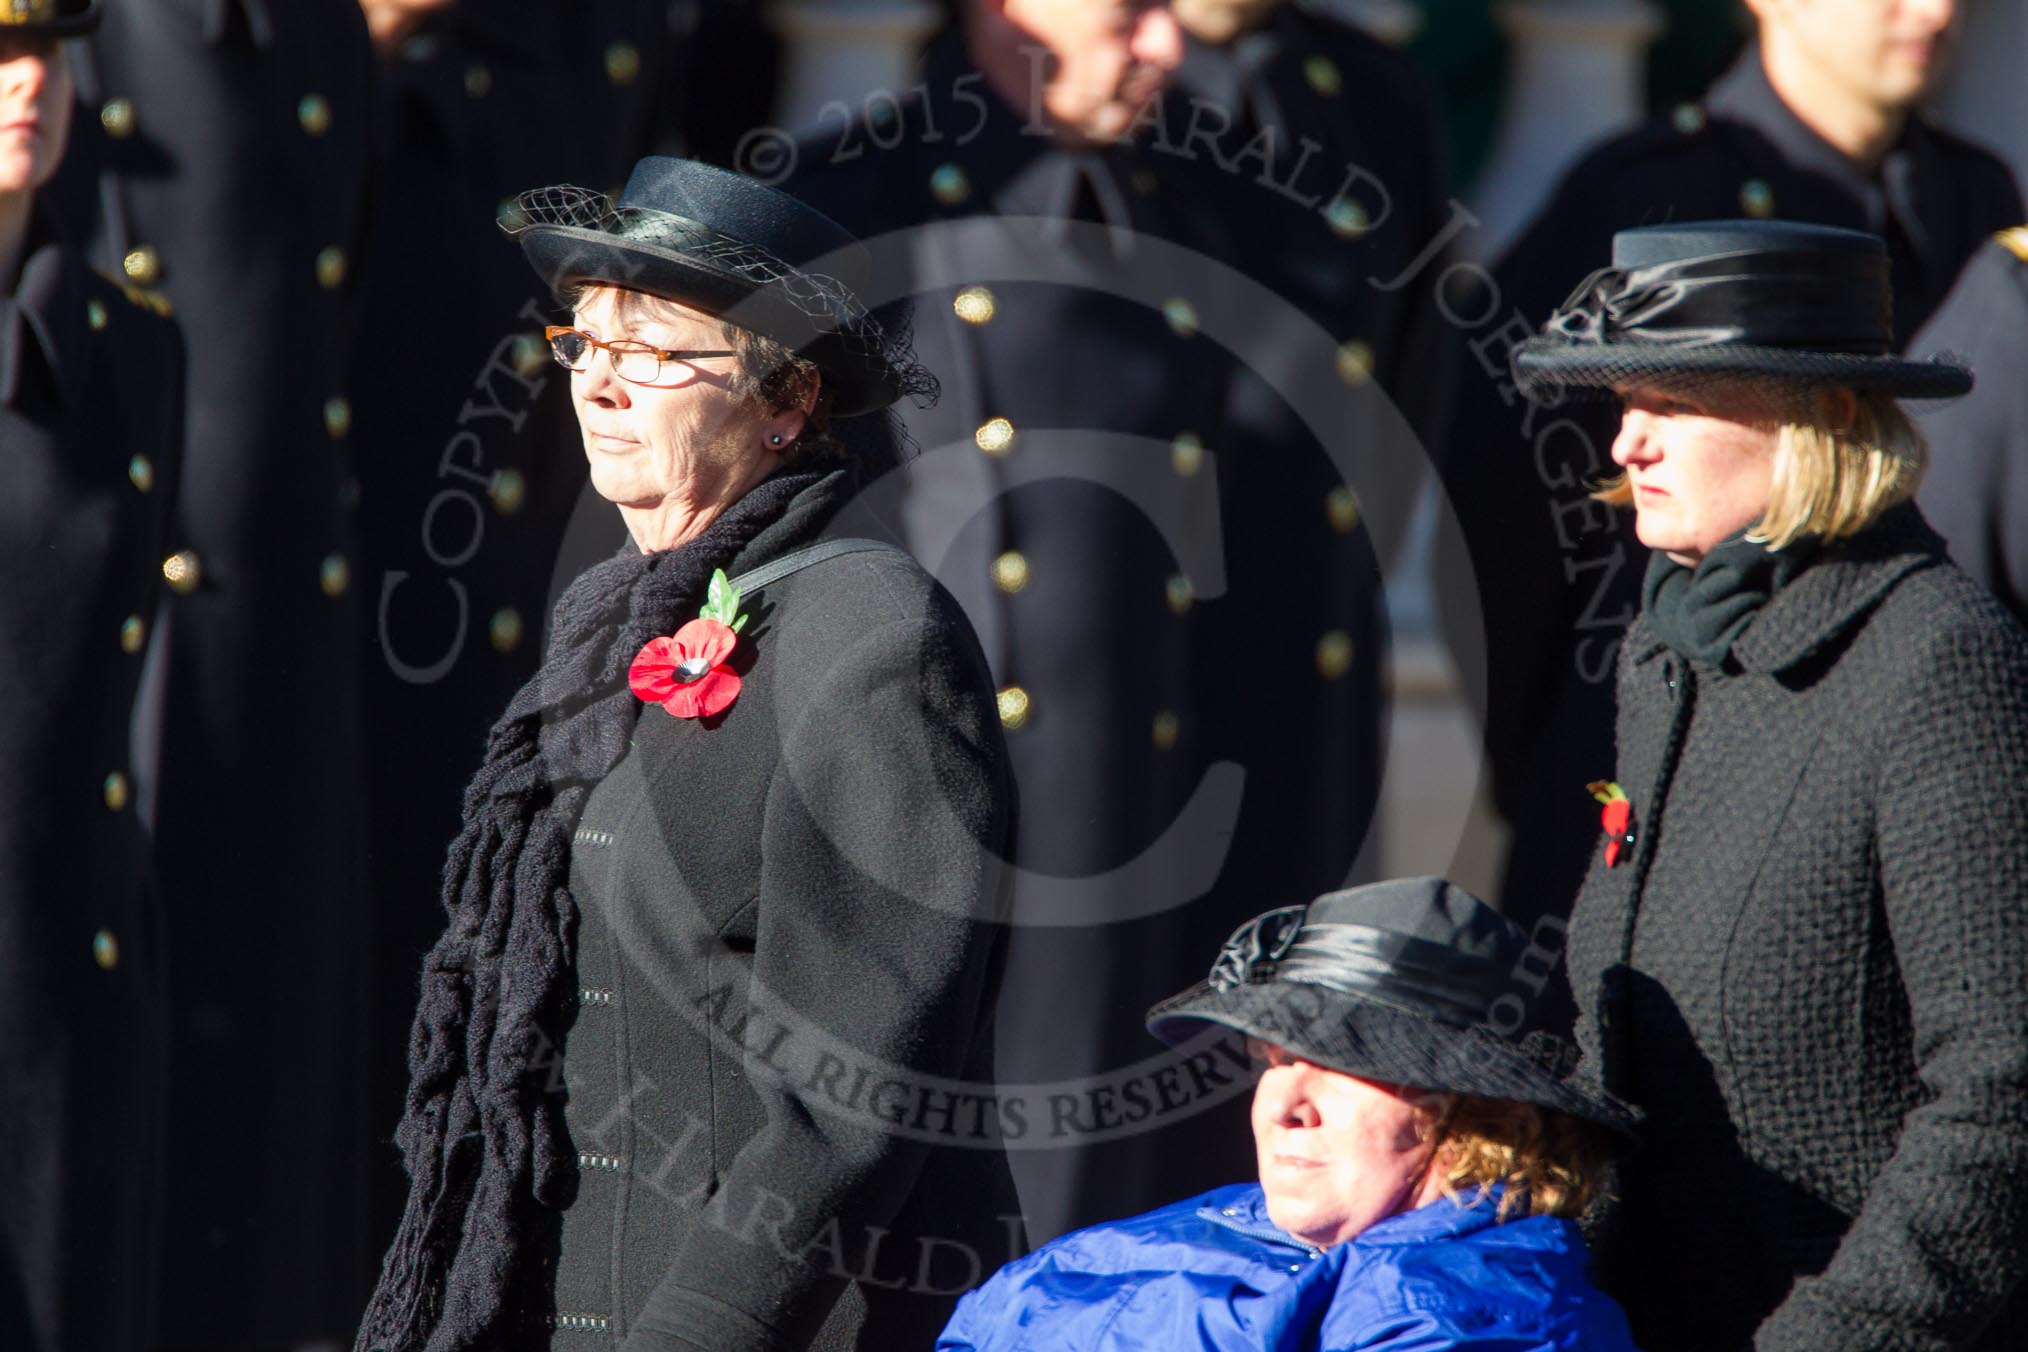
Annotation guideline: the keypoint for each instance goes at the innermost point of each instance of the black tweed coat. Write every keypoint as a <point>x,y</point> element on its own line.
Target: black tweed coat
<point>780,1080</point>
<point>1812,967</point>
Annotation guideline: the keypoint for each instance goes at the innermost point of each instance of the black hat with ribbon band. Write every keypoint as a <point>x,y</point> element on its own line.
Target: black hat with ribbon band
<point>728,246</point>
<point>1412,982</point>
<point>48,18</point>
<point>1763,300</point>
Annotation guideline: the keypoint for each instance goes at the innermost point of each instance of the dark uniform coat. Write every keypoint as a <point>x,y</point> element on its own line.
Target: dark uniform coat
<point>90,422</point>
<point>1165,567</point>
<point>1976,490</point>
<point>1558,574</point>
<point>780,1076</point>
<point>1811,969</point>
<point>221,157</point>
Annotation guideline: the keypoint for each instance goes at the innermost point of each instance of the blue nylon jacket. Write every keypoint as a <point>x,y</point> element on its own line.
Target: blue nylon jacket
<point>1214,1273</point>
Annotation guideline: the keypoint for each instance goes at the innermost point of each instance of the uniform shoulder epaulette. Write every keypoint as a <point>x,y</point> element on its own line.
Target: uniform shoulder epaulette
<point>2015,241</point>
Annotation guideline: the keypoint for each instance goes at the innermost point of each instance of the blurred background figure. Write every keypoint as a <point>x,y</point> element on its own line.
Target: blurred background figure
<point>1976,492</point>
<point>1168,570</point>
<point>1818,121</point>
<point>222,161</point>
<point>90,435</point>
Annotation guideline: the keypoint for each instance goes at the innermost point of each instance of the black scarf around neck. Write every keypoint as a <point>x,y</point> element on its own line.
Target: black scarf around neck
<point>1700,611</point>
<point>482,1132</point>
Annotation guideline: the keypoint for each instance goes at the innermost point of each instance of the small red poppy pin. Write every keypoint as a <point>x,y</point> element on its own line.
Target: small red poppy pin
<point>686,674</point>
<point>1616,815</point>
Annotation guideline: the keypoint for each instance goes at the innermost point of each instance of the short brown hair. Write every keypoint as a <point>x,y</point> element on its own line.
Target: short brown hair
<point>1549,1163</point>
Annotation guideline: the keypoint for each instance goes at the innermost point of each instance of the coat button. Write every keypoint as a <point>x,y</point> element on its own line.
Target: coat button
<point>133,635</point>
<point>1347,219</point>
<point>950,185</point>
<point>105,950</point>
<point>995,437</point>
<point>117,117</point>
<point>1186,454</point>
<point>1167,728</point>
<point>1144,182</point>
<point>1756,198</point>
<point>975,305</point>
<point>313,112</point>
<point>331,268</point>
<point>143,265</point>
<point>1341,509</point>
<point>182,571</point>
<point>478,81</point>
<point>1010,571</point>
<point>1014,707</point>
<point>1334,654</point>
<point>1179,593</point>
<point>1324,77</point>
<point>1688,118</point>
<point>95,315</point>
<point>334,575</point>
<point>623,63</point>
<point>337,416</point>
<point>1355,362</point>
<point>115,790</point>
<point>1182,317</point>
<point>530,355</point>
<point>508,490</point>
<point>505,629</point>
<point>141,473</point>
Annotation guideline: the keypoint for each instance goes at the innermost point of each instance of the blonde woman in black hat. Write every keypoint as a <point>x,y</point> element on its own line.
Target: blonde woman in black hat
<point>1422,1156</point>
<point>732,855</point>
<point>1800,947</point>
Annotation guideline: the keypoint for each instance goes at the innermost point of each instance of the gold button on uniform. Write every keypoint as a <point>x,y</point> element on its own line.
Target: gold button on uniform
<point>1341,509</point>
<point>95,315</point>
<point>1355,363</point>
<point>115,791</point>
<point>313,111</point>
<point>117,117</point>
<point>182,571</point>
<point>623,63</point>
<point>1347,218</point>
<point>334,575</point>
<point>1014,708</point>
<point>1334,654</point>
<point>1182,316</point>
<point>996,437</point>
<point>478,82</point>
<point>1167,728</point>
<point>1186,454</point>
<point>950,185</point>
<point>133,635</point>
<point>337,416</point>
<point>141,473</point>
<point>1688,118</point>
<point>1180,593</point>
<point>331,268</point>
<point>1323,75</point>
<point>1010,571</point>
<point>143,265</point>
<point>508,491</point>
<point>975,305</point>
<point>505,629</point>
<point>1756,198</point>
<point>106,950</point>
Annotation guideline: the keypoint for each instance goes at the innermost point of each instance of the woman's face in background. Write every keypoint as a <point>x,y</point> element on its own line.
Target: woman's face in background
<point>35,97</point>
<point>1700,464</point>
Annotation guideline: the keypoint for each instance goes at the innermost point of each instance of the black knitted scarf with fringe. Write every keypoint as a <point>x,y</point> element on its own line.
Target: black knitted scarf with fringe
<point>490,1161</point>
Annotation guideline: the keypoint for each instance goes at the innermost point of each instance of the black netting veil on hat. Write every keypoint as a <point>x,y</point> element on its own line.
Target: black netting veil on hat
<point>730,247</point>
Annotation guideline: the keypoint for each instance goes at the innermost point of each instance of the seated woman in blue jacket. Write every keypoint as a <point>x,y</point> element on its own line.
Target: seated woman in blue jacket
<point>1422,1154</point>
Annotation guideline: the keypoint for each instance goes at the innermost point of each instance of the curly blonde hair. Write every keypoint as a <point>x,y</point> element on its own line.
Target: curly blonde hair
<point>1549,1163</point>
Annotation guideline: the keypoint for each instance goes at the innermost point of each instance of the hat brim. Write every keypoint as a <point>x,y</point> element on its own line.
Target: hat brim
<point>567,256</point>
<point>1544,364</point>
<point>1380,1042</point>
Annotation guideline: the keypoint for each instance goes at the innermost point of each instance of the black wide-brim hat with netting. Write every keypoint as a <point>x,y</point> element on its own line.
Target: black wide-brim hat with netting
<point>728,246</point>
<point>1412,982</point>
<point>49,18</point>
<point>1779,301</point>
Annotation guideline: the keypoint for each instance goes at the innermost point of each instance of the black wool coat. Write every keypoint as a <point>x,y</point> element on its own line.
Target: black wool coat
<point>90,391</point>
<point>780,1079</point>
<point>1811,969</point>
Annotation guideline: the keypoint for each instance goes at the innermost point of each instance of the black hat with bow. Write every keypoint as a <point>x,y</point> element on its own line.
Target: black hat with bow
<point>1411,982</point>
<point>728,246</point>
<point>1763,300</point>
<point>48,18</point>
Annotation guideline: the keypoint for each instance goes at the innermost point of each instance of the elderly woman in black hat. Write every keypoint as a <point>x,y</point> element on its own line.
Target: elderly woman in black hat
<point>1421,1156</point>
<point>721,911</point>
<point>1801,947</point>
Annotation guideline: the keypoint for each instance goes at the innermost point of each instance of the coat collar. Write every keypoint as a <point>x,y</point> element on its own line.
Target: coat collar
<point>44,319</point>
<point>1245,1210</point>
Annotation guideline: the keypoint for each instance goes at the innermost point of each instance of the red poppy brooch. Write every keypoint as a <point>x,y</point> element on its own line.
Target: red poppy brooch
<point>1616,815</point>
<point>686,674</point>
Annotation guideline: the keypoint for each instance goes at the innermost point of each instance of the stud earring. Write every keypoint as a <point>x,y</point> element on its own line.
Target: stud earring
<point>775,440</point>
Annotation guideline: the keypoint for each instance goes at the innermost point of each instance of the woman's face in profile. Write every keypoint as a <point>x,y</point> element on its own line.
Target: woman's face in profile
<point>1337,1154</point>
<point>35,95</point>
<point>1700,464</point>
